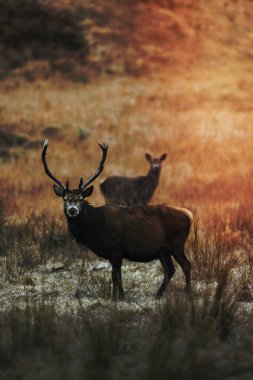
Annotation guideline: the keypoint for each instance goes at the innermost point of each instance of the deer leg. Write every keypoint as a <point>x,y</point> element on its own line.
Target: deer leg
<point>185,264</point>
<point>116,279</point>
<point>169,270</point>
<point>120,287</point>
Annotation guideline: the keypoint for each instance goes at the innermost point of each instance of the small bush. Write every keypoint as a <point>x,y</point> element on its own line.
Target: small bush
<point>9,140</point>
<point>52,131</point>
<point>5,154</point>
<point>83,133</point>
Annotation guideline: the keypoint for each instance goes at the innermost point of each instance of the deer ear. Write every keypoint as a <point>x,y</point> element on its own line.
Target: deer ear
<point>163,156</point>
<point>87,192</point>
<point>58,191</point>
<point>148,157</point>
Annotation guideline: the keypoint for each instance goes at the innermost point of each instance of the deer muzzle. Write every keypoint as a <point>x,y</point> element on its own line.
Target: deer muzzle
<point>72,211</point>
<point>156,167</point>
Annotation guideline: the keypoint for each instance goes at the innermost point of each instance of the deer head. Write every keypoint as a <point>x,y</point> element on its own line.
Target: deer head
<point>74,199</point>
<point>155,163</point>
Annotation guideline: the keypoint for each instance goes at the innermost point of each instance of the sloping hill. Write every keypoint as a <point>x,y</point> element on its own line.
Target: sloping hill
<point>81,39</point>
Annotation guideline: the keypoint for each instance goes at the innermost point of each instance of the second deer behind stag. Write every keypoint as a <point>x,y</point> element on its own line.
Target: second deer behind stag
<point>132,191</point>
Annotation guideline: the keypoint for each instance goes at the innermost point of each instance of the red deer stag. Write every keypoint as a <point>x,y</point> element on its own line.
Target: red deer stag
<point>136,233</point>
<point>127,191</point>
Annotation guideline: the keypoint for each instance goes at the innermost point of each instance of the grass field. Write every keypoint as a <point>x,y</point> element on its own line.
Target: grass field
<point>57,318</point>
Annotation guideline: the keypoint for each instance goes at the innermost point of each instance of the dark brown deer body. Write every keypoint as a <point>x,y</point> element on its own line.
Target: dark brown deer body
<point>137,233</point>
<point>132,191</point>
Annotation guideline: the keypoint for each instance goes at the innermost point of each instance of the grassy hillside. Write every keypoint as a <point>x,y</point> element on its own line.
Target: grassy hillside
<point>201,119</point>
<point>83,39</point>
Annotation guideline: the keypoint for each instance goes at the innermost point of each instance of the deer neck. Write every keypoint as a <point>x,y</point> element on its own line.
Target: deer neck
<point>153,177</point>
<point>80,227</point>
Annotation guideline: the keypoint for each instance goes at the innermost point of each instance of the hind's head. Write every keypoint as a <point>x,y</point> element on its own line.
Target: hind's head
<point>155,163</point>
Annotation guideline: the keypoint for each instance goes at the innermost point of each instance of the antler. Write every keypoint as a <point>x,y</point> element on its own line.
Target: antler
<point>104,148</point>
<point>43,156</point>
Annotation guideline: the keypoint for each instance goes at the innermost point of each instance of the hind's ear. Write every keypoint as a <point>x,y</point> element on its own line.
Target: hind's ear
<point>163,156</point>
<point>148,157</point>
<point>87,192</point>
<point>58,191</point>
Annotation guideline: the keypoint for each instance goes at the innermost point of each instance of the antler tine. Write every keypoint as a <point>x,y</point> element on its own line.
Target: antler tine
<point>104,148</point>
<point>81,183</point>
<point>43,156</point>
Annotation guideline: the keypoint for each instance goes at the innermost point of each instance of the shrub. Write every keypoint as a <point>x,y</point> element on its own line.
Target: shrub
<point>33,30</point>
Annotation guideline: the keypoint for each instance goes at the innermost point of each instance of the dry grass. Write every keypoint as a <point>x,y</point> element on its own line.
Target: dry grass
<point>176,338</point>
<point>202,134</point>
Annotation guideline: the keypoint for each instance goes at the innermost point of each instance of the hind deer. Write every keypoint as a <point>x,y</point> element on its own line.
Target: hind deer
<point>132,191</point>
<point>136,233</point>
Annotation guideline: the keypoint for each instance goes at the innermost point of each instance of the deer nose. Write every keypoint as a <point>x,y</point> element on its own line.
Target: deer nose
<point>72,211</point>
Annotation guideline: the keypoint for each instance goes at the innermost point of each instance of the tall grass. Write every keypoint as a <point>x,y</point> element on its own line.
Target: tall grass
<point>188,333</point>
<point>181,337</point>
<point>32,241</point>
<point>207,335</point>
<point>209,252</point>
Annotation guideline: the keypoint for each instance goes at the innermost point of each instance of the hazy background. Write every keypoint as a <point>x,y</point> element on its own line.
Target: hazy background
<point>157,76</point>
